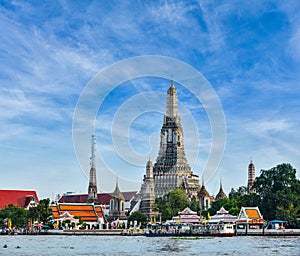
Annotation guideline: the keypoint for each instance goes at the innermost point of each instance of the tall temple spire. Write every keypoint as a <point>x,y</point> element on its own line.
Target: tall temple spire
<point>147,192</point>
<point>172,101</point>
<point>92,190</point>
<point>171,168</point>
<point>251,176</point>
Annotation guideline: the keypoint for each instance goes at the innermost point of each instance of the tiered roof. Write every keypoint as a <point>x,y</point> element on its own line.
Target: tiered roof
<point>86,212</point>
<point>117,193</point>
<point>222,215</point>
<point>203,192</point>
<point>187,216</point>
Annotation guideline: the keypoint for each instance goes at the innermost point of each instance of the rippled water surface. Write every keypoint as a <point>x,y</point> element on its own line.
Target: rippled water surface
<point>119,245</point>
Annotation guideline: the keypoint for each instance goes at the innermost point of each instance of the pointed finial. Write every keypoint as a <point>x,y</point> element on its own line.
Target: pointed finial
<point>220,182</point>
<point>93,149</point>
<point>172,81</point>
<point>202,179</point>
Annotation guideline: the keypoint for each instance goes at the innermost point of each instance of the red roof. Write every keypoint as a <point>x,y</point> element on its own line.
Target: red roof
<point>19,198</point>
<point>103,198</point>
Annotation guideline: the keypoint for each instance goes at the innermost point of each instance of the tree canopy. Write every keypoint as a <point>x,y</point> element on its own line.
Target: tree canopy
<point>279,193</point>
<point>138,216</point>
<point>42,212</point>
<point>174,202</point>
<point>17,215</point>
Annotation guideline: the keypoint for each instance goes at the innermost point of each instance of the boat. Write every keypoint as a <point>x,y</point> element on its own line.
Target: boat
<point>167,230</point>
<point>183,230</point>
<point>216,229</point>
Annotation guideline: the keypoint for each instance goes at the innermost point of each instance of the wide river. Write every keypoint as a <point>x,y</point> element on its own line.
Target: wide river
<point>120,245</point>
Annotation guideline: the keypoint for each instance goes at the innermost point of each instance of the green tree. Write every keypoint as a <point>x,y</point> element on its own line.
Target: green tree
<point>242,197</point>
<point>194,205</point>
<point>229,204</point>
<point>42,212</point>
<point>17,215</point>
<point>140,217</point>
<point>164,209</point>
<point>174,202</point>
<point>241,191</point>
<point>178,200</point>
<point>279,192</point>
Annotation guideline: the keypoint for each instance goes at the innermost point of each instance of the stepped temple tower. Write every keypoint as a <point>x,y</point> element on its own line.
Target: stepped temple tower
<point>251,176</point>
<point>147,192</point>
<point>92,190</point>
<point>171,169</point>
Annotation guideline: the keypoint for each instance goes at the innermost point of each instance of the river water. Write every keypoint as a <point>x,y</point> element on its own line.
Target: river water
<point>120,245</point>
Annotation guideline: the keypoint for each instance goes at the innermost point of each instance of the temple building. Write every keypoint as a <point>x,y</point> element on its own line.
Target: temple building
<point>221,194</point>
<point>251,177</point>
<point>89,211</point>
<point>21,198</point>
<point>250,218</point>
<point>117,205</point>
<point>205,199</point>
<point>147,194</point>
<point>171,170</point>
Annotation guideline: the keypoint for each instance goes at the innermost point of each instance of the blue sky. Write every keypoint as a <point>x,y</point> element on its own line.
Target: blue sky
<point>249,51</point>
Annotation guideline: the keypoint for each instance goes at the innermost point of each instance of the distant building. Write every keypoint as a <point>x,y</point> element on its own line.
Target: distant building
<point>88,213</point>
<point>251,177</point>
<point>187,216</point>
<point>89,210</point>
<point>21,198</point>
<point>103,199</point>
<point>222,216</point>
<point>117,205</point>
<point>205,199</point>
<point>221,194</point>
<point>147,192</point>
<point>171,170</point>
<point>250,218</point>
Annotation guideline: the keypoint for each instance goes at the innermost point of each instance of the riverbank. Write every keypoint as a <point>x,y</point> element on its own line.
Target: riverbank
<point>140,232</point>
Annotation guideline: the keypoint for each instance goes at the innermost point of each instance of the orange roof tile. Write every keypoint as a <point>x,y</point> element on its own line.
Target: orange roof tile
<point>252,213</point>
<point>83,213</point>
<point>55,215</point>
<point>86,212</point>
<point>89,218</point>
<point>67,207</point>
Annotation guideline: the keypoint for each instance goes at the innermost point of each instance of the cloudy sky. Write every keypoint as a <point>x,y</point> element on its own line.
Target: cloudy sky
<point>248,51</point>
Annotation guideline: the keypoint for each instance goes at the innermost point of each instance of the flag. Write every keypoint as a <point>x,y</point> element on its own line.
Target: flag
<point>9,223</point>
